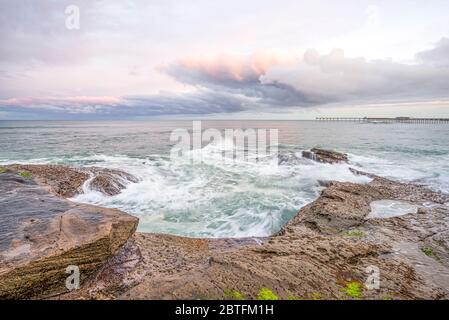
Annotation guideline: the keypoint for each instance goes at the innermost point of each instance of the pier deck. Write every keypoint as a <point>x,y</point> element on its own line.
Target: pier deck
<point>388,120</point>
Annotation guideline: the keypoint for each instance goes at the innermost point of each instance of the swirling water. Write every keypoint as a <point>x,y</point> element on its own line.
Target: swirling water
<point>213,198</point>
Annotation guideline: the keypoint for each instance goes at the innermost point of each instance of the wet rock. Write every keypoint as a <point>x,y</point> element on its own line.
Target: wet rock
<point>61,180</point>
<point>110,182</point>
<point>325,183</point>
<point>42,234</point>
<point>340,206</point>
<point>326,156</point>
<point>68,181</point>
<point>362,173</point>
<point>290,158</point>
<point>385,209</point>
<point>422,211</point>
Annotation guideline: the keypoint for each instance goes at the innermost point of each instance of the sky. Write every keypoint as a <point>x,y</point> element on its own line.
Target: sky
<point>252,59</point>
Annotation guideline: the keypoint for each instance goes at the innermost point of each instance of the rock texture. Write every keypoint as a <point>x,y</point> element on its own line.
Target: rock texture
<point>110,182</point>
<point>68,181</point>
<point>61,180</point>
<point>328,245</point>
<point>42,234</point>
<point>326,156</point>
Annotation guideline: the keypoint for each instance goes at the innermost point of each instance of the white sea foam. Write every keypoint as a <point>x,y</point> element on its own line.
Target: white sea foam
<point>432,171</point>
<point>216,198</point>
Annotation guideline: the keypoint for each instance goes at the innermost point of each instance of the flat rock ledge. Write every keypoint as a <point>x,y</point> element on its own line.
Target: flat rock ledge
<point>67,181</point>
<point>41,234</point>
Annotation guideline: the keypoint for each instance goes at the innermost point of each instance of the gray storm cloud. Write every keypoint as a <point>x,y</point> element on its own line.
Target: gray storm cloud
<point>334,77</point>
<point>242,76</point>
<point>202,102</point>
<point>319,79</point>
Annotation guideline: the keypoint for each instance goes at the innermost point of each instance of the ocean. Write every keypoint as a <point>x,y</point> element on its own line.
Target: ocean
<point>212,198</point>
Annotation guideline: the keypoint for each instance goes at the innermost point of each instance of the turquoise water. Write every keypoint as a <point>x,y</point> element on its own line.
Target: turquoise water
<point>216,199</point>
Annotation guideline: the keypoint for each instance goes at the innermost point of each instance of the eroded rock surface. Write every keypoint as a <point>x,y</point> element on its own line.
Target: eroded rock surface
<point>110,182</point>
<point>61,180</point>
<point>326,156</point>
<point>42,234</point>
<point>68,181</point>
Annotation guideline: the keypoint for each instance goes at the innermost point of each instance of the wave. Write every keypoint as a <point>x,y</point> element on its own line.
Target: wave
<point>213,197</point>
<point>202,194</point>
<point>431,171</point>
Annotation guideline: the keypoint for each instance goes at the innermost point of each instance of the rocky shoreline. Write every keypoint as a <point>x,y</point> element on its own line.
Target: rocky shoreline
<point>326,251</point>
<point>42,234</point>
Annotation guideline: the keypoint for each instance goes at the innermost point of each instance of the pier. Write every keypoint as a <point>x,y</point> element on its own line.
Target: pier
<point>388,120</point>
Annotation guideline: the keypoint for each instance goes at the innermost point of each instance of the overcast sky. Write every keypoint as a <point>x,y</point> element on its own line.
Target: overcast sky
<point>223,59</point>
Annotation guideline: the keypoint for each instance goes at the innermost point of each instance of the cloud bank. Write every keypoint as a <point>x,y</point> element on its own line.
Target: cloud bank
<point>233,83</point>
<point>336,78</point>
<point>201,102</point>
<point>438,56</point>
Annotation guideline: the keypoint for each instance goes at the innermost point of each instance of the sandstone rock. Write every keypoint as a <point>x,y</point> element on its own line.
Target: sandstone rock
<point>42,234</point>
<point>326,156</point>
<point>68,181</point>
<point>61,180</point>
<point>110,182</point>
<point>422,211</point>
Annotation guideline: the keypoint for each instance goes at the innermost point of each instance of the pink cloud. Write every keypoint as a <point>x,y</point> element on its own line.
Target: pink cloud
<point>48,101</point>
<point>226,67</point>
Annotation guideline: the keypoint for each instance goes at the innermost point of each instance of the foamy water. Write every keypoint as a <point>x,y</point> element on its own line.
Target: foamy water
<point>213,198</point>
<point>390,208</point>
<point>216,198</point>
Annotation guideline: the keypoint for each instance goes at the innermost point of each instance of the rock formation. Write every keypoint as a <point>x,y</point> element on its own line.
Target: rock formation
<point>326,156</point>
<point>42,234</point>
<point>110,182</point>
<point>68,181</point>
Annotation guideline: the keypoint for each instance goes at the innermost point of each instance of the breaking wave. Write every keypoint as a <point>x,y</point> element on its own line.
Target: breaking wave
<point>216,198</point>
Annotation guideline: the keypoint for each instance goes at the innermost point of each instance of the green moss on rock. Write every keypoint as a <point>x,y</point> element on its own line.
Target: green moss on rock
<point>353,289</point>
<point>355,233</point>
<point>25,175</point>
<point>234,294</point>
<point>266,294</point>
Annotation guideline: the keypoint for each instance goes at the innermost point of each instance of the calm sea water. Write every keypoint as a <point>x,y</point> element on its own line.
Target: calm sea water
<point>216,199</point>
